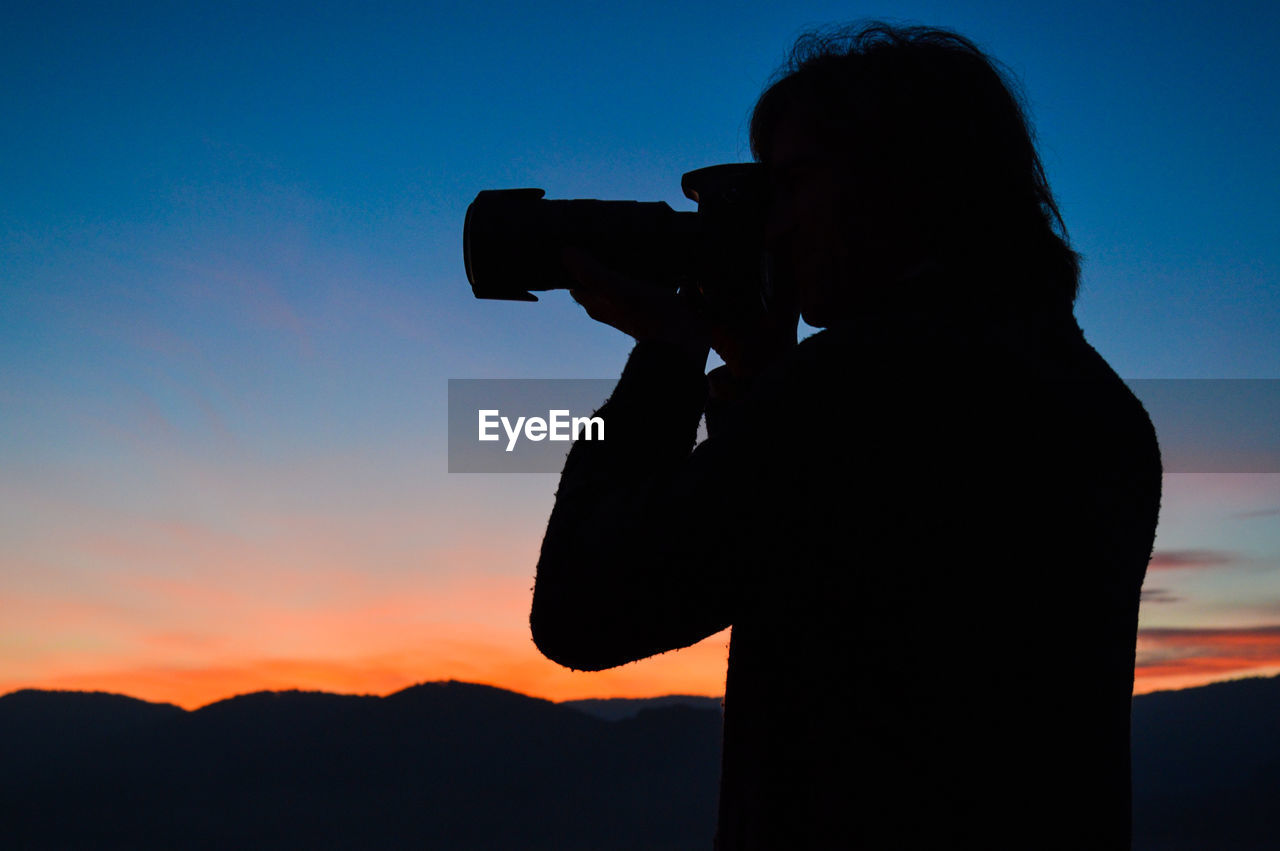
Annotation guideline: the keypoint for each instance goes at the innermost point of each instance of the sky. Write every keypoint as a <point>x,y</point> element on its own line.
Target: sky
<point>232,293</point>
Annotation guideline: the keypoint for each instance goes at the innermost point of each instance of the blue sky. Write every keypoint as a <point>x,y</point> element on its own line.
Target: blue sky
<point>231,293</point>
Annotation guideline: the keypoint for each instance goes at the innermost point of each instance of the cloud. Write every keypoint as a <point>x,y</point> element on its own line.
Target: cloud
<point>1262,512</point>
<point>1160,595</point>
<point>1168,559</point>
<point>1221,637</point>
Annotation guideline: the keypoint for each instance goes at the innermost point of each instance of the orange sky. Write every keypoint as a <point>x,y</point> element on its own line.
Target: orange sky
<point>408,592</point>
<point>474,658</point>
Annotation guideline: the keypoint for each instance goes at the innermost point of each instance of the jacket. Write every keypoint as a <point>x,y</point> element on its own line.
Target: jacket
<point>929,533</point>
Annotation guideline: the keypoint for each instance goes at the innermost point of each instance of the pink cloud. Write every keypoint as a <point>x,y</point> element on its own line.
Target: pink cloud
<point>1167,559</point>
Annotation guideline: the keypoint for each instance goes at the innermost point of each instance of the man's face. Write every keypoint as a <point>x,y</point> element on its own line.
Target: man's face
<point>806,230</point>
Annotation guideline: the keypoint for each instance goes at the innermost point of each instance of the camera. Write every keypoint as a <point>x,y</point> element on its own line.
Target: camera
<point>513,239</point>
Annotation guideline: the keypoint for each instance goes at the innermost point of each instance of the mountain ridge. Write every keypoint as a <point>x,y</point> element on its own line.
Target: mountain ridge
<point>452,764</point>
<point>606,706</point>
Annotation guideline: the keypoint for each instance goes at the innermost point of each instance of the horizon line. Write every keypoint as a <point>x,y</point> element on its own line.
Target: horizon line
<point>1240,678</point>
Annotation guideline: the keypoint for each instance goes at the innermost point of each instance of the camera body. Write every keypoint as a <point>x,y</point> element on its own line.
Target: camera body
<point>513,239</point>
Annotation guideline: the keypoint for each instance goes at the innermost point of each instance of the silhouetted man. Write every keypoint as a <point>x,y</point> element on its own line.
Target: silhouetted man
<point>928,524</point>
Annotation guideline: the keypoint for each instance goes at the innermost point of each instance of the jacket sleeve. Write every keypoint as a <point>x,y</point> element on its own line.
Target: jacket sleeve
<point>649,537</point>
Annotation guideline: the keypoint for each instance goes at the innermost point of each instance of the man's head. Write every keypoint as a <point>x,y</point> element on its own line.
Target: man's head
<point>896,149</point>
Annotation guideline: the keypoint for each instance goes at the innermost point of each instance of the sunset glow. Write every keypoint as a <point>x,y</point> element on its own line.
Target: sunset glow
<point>232,294</point>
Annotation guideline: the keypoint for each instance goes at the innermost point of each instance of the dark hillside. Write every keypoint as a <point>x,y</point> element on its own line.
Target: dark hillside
<point>454,765</point>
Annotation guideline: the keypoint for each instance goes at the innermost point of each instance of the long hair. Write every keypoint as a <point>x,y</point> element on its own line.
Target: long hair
<point>940,137</point>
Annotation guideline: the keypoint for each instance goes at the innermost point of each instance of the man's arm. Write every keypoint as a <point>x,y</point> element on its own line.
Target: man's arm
<point>650,539</point>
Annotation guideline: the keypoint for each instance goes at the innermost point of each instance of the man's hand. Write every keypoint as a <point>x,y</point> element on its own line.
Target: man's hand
<point>645,312</point>
<point>749,346</point>
<point>652,313</point>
